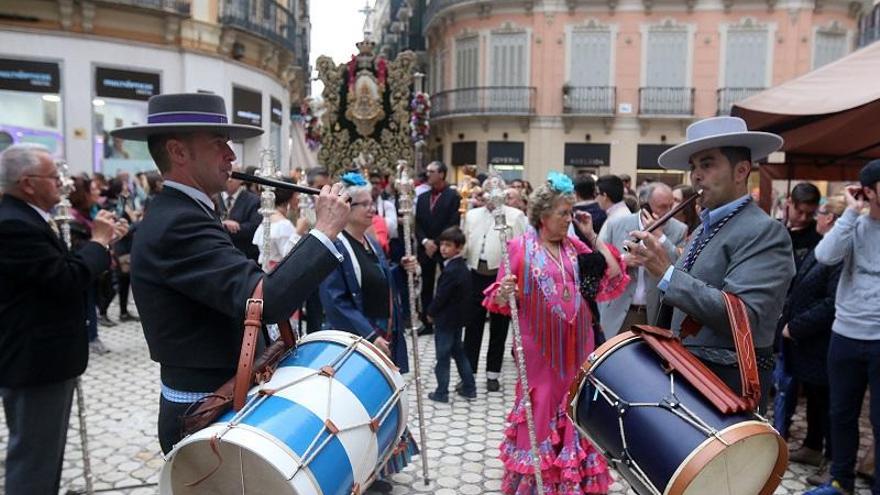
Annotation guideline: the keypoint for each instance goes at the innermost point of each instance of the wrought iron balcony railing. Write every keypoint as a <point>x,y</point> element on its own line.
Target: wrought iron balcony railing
<point>265,18</point>
<point>728,96</point>
<point>488,100</point>
<point>589,100</point>
<point>666,101</point>
<point>175,6</point>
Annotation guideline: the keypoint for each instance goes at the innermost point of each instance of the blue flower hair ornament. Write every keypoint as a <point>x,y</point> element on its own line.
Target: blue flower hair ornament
<point>560,182</point>
<point>353,179</point>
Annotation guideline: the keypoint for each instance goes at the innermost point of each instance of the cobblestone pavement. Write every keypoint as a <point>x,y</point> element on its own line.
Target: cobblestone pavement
<point>121,391</point>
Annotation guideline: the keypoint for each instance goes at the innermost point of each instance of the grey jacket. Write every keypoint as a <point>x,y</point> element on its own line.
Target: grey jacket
<point>749,257</point>
<point>614,232</point>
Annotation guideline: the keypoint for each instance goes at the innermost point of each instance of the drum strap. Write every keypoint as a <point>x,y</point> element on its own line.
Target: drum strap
<point>253,321</point>
<point>678,358</point>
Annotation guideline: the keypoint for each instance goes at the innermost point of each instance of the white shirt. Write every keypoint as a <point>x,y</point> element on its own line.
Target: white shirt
<point>618,209</point>
<point>483,241</point>
<point>280,234</point>
<point>385,209</point>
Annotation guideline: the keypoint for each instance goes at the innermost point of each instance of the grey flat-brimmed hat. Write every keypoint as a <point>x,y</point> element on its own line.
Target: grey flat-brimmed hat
<point>186,112</point>
<point>716,132</point>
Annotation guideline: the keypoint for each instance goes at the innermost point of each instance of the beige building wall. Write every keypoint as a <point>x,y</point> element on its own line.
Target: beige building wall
<point>791,30</point>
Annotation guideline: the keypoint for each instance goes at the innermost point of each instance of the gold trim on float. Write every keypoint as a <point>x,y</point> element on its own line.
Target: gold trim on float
<point>712,447</point>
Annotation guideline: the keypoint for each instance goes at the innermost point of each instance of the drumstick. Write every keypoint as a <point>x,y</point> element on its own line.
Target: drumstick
<point>665,218</point>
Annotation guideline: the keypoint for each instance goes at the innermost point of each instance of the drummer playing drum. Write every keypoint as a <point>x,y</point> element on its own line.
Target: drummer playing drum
<point>737,248</point>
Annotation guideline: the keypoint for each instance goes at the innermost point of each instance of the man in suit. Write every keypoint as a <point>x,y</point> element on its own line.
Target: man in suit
<point>737,249</point>
<point>436,210</point>
<point>190,282</point>
<point>638,305</point>
<point>240,210</point>
<point>43,337</point>
<point>609,195</point>
<point>483,255</point>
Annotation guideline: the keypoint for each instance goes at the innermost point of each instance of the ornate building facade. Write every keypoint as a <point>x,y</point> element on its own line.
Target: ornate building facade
<point>71,71</point>
<point>605,86</point>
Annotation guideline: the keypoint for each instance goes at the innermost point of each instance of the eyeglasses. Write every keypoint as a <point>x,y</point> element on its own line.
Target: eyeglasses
<point>54,177</point>
<point>365,204</point>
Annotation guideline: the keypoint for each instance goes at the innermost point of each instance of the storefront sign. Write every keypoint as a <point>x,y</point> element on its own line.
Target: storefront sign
<point>587,155</point>
<point>126,84</point>
<point>27,75</point>
<point>648,154</point>
<point>277,111</point>
<point>506,153</point>
<point>247,107</point>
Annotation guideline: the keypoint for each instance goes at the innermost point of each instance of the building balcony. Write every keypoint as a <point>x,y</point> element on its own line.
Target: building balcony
<point>488,100</point>
<point>728,96</point>
<point>267,19</point>
<point>666,102</point>
<point>181,7</point>
<point>589,100</point>
<point>436,7</point>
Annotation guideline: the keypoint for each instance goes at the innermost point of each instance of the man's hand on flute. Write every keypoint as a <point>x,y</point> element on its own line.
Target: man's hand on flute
<point>648,253</point>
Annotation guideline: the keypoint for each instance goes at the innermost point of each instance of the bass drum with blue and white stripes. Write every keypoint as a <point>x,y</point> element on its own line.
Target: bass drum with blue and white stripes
<point>324,424</point>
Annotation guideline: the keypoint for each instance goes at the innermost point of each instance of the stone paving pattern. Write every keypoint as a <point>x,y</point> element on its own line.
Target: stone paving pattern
<point>121,391</point>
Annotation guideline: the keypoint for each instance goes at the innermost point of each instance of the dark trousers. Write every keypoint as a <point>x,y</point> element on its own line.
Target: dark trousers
<point>473,337</point>
<point>853,366</point>
<point>314,313</point>
<point>106,291</point>
<point>786,400</point>
<point>447,342</point>
<point>818,418</point>
<point>92,312</point>
<point>429,277</point>
<point>169,422</point>
<point>123,283</point>
<point>37,418</point>
<point>730,376</point>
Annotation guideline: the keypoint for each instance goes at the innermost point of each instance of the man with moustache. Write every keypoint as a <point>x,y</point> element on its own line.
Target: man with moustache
<point>737,249</point>
<point>190,282</point>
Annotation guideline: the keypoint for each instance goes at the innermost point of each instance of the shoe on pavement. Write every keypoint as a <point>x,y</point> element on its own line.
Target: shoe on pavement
<point>105,321</point>
<point>470,396</point>
<point>98,347</point>
<point>808,456</point>
<point>434,396</point>
<point>381,486</point>
<point>124,317</point>
<point>822,476</point>
<point>832,488</point>
<point>493,385</point>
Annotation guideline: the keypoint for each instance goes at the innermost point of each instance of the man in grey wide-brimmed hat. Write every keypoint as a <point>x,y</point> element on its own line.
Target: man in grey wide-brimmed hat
<point>190,282</point>
<point>738,249</point>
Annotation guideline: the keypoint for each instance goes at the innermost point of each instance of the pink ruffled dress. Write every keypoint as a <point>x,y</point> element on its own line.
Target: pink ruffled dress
<point>556,326</point>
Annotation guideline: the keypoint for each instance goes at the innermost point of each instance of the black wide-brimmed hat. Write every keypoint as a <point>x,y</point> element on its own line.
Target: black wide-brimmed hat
<point>186,112</point>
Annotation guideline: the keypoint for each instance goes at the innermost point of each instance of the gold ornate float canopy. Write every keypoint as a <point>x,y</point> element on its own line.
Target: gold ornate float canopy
<point>366,119</point>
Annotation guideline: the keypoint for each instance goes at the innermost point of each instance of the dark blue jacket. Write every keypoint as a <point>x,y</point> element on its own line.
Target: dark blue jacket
<point>43,286</point>
<point>449,309</point>
<point>344,303</point>
<point>245,211</point>
<point>809,313</point>
<point>191,285</point>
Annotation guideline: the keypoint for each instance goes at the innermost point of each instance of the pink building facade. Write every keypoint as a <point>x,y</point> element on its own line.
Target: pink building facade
<point>605,86</point>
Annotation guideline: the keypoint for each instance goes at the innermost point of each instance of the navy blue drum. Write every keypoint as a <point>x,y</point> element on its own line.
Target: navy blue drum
<point>662,435</point>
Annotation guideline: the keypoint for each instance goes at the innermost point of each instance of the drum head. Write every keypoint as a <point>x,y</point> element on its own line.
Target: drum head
<point>243,471</point>
<point>753,463</point>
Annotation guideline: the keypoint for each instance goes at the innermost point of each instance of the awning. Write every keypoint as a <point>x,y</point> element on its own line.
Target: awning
<point>830,116</point>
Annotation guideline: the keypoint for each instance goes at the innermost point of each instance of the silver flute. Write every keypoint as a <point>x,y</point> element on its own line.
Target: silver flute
<point>405,188</point>
<point>496,196</point>
<point>63,215</point>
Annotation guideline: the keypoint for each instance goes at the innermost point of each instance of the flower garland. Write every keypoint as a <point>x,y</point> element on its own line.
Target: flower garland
<point>311,124</point>
<point>419,122</point>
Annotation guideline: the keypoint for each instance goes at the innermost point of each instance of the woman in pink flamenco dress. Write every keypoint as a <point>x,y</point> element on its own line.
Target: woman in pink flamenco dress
<point>556,323</point>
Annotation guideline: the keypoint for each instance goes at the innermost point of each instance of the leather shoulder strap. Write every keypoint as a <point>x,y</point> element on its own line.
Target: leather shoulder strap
<point>745,348</point>
<point>252,323</point>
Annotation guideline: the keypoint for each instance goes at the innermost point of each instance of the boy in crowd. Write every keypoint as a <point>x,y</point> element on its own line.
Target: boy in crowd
<point>449,311</point>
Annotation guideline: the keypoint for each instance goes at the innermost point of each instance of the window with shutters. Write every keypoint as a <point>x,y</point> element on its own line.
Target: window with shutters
<point>666,88</point>
<point>509,72</point>
<point>467,66</point>
<point>830,45</point>
<point>588,89</point>
<point>746,63</point>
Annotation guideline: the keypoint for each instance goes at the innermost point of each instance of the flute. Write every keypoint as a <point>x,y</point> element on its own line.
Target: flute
<point>665,218</point>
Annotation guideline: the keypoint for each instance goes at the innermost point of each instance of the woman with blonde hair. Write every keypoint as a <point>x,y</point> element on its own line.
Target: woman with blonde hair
<point>554,277</point>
